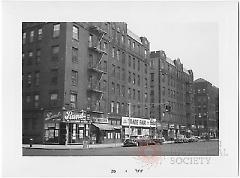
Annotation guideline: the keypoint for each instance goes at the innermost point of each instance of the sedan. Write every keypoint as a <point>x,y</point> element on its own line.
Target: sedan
<point>130,142</point>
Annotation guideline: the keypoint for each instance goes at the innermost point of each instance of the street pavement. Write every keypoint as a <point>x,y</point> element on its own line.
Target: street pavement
<point>203,148</point>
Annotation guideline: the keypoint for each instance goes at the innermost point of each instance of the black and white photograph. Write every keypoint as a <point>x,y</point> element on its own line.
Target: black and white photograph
<point>122,88</point>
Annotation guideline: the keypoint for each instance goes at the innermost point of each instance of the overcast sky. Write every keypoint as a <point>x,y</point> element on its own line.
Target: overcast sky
<point>192,40</point>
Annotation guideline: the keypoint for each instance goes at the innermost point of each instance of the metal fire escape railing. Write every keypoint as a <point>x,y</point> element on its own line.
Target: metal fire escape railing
<point>95,68</point>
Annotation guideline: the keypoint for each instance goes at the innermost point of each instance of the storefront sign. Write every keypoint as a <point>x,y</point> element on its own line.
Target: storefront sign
<point>53,116</point>
<point>137,122</point>
<point>70,115</point>
<point>100,120</point>
<point>153,122</point>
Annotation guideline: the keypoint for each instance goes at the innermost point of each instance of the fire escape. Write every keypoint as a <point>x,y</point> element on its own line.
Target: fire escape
<point>95,69</point>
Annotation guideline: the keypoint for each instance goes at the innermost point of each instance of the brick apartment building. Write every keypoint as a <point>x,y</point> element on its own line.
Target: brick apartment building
<point>171,83</point>
<point>78,79</point>
<point>206,101</point>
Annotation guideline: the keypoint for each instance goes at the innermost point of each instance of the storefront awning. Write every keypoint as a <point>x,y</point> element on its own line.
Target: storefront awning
<point>104,126</point>
<point>117,126</point>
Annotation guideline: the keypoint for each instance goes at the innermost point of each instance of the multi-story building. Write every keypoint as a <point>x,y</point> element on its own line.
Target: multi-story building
<point>78,81</point>
<point>206,100</point>
<point>170,84</point>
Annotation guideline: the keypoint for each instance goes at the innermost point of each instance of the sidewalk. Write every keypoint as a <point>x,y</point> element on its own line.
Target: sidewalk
<point>65,147</point>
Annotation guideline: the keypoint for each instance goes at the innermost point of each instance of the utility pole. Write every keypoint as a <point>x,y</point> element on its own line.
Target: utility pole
<point>129,117</point>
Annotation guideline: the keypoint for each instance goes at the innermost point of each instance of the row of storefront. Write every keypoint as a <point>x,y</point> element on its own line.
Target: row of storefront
<point>69,127</point>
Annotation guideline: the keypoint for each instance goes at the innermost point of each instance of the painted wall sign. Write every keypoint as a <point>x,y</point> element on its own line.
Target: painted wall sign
<point>53,116</point>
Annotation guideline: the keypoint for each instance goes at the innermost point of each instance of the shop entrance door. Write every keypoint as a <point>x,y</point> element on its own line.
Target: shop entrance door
<point>76,133</point>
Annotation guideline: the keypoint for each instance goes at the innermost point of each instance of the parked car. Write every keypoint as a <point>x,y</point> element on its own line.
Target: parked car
<point>193,139</point>
<point>130,142</point>
<point>181,139</point>
<point>159,140</point>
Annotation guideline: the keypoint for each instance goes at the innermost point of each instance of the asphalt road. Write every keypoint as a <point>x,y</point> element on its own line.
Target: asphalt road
<point>210,148</point>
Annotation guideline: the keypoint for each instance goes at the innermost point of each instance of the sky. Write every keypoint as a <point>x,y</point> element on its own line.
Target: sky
<point>196,44</point>
<point>194,39</point>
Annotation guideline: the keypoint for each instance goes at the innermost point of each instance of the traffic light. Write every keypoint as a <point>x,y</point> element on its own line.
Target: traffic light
<point>168,108</point>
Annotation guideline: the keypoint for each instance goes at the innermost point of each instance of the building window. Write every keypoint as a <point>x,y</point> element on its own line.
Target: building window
<point>122,39</point>
<point>145,53</point>
<point>73,100</point>
<point>75,32</point>
<point>134,94</point>
<point>38,56</point>
<point>37,78</point>
<point>146,83</point>
<point>118,55</point>
<point>90,41</point>
<point>31,36</point>
<point>118,89</point>
<point>129,93</point>
<point>74,78</point>
<point>129,61</point>
<point>133,45</point>
<point>112,107</point>
<point>53,99</point>
<point>55,51</point>
<point>113,70</point>
<point>123,90</point>
<point>134,79</point>
<point>113,87</point>
<point>74,55</point>
<point>129,43</point>
<point>24,35</point>
<point>145,68</point>
<point>163,91</point>
<point>145,97</point>
<point>54,75</point>
<point>123,58</point>
<point>139,95</point>
<point>39,34</point>
<point>36,101</point>
<point>29,79</point>
<point>138,82</point>
<point>56,30</point>
<point>118,105</point>
<point>28,99</point>
<point>129,77</point>
<point>113,52</point>
<point>30,56</point>
<point>152,77</point>
<point>133,63</point>
<point>138,65</point>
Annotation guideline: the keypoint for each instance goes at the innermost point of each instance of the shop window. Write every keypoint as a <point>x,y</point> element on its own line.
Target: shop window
<point>75,32</point>
<point>56,30</point>
<point>39,34</point>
